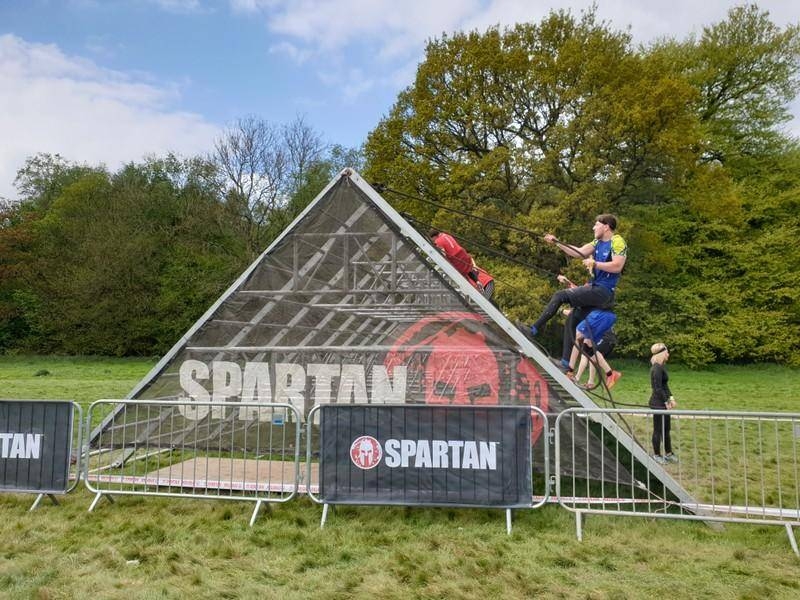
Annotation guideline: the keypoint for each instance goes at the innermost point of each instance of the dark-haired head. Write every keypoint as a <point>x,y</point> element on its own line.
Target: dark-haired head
<point>608,219</point>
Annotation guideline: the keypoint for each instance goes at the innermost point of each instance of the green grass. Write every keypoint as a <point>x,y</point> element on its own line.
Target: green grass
<point>764,388</point>
<point>83,379</point>
<point>174,548</point>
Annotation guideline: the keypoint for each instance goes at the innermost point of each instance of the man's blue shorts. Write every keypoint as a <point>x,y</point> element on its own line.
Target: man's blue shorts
<point>596,323</point>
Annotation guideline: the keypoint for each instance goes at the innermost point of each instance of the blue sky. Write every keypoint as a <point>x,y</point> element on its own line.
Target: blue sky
<point>114,80</point>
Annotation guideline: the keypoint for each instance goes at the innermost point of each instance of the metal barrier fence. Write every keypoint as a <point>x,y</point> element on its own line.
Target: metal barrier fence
<point>466,456</point>
<point>738,467</point>
<point>41,447</point>
<point>246,451</point>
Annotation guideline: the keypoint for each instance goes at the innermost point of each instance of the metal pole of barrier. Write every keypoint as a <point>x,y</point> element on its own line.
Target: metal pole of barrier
<point>77,411</point>
<point>39,499</point>
<point>309,437</point>
<point>546,433</point>
<point>508,521</point>
<point>579,525</point>
<point>324,516</point>
<point>95,501</point>
<point>792,540</point>
<point>255,512</point>
<point>78,471</point>
<point>78,450</point>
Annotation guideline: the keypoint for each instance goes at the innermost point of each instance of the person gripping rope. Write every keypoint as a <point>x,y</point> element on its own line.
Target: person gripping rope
<point>602,349</point>
<point>590,333</point>
<point>605,258</point>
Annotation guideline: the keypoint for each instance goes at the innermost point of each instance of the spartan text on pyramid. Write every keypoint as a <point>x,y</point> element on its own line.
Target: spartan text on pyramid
<point>229,382</point>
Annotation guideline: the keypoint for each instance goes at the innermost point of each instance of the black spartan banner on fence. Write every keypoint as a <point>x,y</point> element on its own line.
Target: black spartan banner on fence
<point>35,440</point>
<point>434,455</point>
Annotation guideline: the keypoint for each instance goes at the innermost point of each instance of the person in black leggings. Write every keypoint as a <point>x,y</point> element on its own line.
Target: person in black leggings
<point>661,399</point>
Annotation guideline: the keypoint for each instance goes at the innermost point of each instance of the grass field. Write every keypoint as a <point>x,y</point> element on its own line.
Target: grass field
<point>173,548</point>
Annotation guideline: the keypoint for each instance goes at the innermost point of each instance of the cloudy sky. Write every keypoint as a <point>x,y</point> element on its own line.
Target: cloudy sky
<point>109,81</point>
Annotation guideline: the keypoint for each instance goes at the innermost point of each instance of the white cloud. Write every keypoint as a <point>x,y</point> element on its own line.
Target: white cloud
<point>396,28</point>
<point>358,45</point>
<point>102,46</point>
<point>244,6</point>
<point>404,26</point>
<point>52,102</point>
<point>389,36</point>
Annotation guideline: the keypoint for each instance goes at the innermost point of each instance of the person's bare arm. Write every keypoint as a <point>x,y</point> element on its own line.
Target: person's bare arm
<point>568,249</point>
<point>614,266</point>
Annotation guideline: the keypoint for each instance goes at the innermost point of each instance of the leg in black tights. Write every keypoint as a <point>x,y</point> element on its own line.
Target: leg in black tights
<point>661,428</point>
<point>576,316</point>
<point>593,296</point>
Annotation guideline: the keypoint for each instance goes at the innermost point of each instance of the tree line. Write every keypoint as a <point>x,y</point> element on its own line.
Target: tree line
<point>546,125</point>
<point>541,125</point>
<point>122,263</point>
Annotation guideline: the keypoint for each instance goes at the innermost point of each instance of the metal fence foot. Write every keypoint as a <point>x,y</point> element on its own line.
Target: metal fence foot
<point>36,503</point>
<point>792,541</point>
<point>508,521</point>
<point>95,501</point>
<point>324,515</point>
<point>579,525</point>
<point>255,512</point>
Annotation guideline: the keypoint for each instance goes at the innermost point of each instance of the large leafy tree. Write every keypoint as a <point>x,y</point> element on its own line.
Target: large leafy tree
<point>716,248</point>
<point>40,181</point>
<point>545,125</point>
<point>744,69</point>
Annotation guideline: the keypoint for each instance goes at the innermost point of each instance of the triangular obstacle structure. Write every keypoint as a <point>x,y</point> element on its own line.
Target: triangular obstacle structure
<point>350,304</point>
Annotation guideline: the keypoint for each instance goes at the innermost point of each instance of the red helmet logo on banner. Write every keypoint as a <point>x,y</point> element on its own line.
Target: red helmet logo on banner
<point>366,452</point>
<point>469,376</point>
<point>457,365</point>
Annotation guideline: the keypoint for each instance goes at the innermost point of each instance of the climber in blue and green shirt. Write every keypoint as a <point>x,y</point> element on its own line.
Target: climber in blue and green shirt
<point>604,257</point>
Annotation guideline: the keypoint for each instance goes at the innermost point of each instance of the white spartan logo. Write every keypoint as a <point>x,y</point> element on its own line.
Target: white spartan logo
<point>365,452</point>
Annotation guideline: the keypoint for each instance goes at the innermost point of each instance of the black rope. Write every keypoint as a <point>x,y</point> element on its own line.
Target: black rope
<point>488,249</point>
<point>382,188</point>
<point>602,385</point>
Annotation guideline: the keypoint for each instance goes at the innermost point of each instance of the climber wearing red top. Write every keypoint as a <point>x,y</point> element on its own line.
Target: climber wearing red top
<point>454,253</point>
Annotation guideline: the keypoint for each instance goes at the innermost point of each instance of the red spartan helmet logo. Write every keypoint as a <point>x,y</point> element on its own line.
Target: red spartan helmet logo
<point>458,366</point>
<point>365,452</point>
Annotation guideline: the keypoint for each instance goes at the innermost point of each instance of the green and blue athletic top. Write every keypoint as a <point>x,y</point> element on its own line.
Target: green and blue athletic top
<point>603,252</point>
